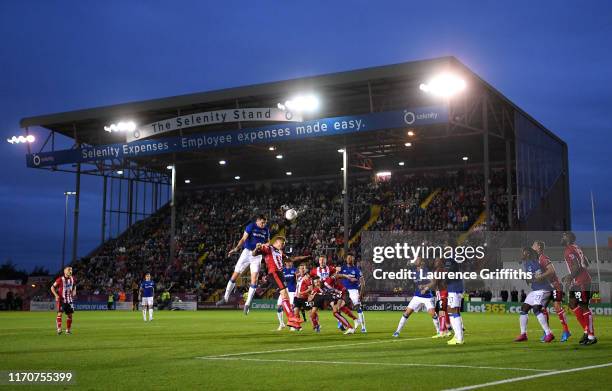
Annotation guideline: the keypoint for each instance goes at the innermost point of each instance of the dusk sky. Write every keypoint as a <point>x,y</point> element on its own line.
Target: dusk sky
<point>552,58</point>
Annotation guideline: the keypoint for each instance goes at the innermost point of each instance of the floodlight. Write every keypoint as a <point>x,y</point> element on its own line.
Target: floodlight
<point>444,85</point>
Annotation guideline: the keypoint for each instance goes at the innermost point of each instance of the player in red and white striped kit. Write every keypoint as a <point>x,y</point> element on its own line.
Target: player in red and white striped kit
<point>64,290</point>
<point>339,297</point>
<point>333,292</point>
<point>579,280</point>
<point>303,288</point>
<point>274,257</point>
<point>441,302</point>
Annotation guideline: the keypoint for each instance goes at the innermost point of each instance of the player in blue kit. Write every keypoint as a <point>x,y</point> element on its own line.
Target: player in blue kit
<point>254,233</point>
<point>454,286</point>
<point>423,296</point>
<point>538,297</point>
<point>289,272</point>
<point>354,284</point>
<point>146,293</point>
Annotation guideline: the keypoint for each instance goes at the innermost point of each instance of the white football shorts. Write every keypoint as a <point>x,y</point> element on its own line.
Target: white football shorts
<point>248,260</point>
<point>417,302</point>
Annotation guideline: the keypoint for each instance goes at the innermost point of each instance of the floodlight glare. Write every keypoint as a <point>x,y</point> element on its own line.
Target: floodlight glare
<point>237,177</point>
<point>169,167</point>
<point>120,172</point>
<point>382,174</point>
<point>444,85</point>
<point>341,150</point>
<point>272,148</point>
<point>301,103</point>
<point>222,162</point>
<point>289,173</point>
<point>188,181</point>
<point>410,133</point>
<point>279,156</point>
<point>127,126</point>
<point>408,144</point>
<point>465,158</point>
<point>401,163</point>
<point>21,139</point>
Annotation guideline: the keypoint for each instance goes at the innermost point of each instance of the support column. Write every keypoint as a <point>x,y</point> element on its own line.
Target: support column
<point>103,228</point>
<point>345,199</point>
<point>144,200</point>
<point>135,203</point>
<point>509,184</point>
<point>65,223</point>
<point>77,199</point>
<point>485,119</point>
<point>172,212</point>
<point>119,207</point>
<point>110,209</point>
<point>155,196</point>
<point>130,202</point>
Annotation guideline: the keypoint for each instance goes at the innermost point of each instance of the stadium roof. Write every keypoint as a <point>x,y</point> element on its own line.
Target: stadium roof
<point>384,88</point>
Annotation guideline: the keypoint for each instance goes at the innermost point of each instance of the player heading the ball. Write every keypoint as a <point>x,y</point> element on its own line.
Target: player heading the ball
<point>255,233</point>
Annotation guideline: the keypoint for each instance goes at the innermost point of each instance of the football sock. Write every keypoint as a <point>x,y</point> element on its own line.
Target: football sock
<point>580,318</point>
<point>436,323</point>
<point>287,308</point>
<point>563,319</point>
<point>314,317</point>
<point>344,322</point>
<point>457,323</point>
<point>543,322</point>
<point>279,315</point>
<point>588,320</point>
<point>58,321</point>
<point>347,311</point>
<point>361,316</point>
<point>69,322</point>
<point>402,322</point>
<point>545,312</point>
<point>252,290</point>
<point>228,289</point>
<point>144,314</point>
<point>523,320</point>
<point>442,320</point>
<point>150,313</point>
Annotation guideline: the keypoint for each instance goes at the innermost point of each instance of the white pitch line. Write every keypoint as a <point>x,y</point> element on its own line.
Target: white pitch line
<point>372,363</point>
<point>315,347</point>
<point>516,379</point>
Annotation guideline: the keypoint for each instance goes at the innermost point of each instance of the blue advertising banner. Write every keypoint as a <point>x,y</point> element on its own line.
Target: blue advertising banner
<point>230,138</point>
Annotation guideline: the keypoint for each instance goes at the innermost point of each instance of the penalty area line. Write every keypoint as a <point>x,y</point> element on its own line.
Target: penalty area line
<point>517,379</point>
<point>313,347</point>
<point>372,363</point>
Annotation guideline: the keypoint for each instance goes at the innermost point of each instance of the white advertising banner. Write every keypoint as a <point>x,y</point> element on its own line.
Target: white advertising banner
<point>210,118</point>
<point>185,305</point>
<point>42,305</point>
<point>81,306</point>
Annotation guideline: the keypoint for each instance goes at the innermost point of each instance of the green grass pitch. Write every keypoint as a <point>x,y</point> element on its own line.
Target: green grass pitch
<point>226,350</point>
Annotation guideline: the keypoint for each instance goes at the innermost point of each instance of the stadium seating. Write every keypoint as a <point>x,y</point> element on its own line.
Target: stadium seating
<point>210,222</point>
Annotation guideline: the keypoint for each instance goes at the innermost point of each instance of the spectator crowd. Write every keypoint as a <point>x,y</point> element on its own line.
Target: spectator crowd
<point>210,221</point>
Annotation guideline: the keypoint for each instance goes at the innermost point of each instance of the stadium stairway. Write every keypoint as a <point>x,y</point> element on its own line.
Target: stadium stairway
<point>430,198</point>
<point>473,227</point>
<point>370,218</point>
<point>364,222</point>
